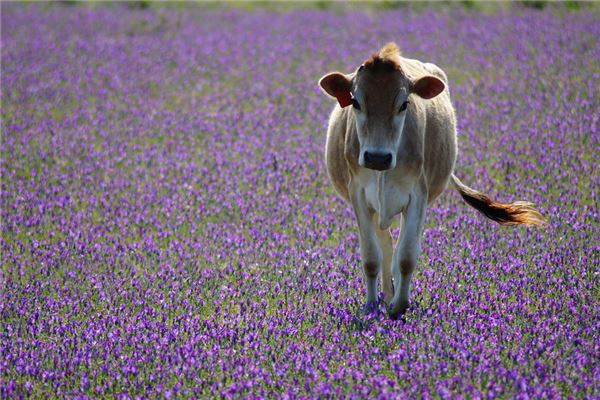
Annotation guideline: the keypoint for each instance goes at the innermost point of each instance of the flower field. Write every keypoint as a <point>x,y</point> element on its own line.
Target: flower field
<point>169,229</point>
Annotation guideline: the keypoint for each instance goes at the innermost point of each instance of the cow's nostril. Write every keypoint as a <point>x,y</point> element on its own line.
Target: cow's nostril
<point>379,161</point>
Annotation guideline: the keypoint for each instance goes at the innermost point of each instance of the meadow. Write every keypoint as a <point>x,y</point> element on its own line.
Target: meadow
<point>169,229</point>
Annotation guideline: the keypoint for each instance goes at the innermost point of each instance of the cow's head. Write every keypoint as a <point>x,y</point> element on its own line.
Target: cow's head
<point>379,91</point>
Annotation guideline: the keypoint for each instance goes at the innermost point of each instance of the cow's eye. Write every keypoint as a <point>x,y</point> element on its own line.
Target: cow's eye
<point>355,104</point>
<point>403,106</point>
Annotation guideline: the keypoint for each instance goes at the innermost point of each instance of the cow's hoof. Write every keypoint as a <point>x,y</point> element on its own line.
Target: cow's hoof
<point>397,313</point>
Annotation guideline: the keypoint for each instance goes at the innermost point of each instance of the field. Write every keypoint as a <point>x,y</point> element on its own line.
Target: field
<point>169,229</point>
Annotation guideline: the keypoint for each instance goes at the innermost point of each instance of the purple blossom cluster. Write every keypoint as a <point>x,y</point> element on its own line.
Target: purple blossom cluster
<point>168,227</point>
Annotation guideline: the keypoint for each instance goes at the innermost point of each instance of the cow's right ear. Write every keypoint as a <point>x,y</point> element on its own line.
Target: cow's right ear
<point>337,85</point>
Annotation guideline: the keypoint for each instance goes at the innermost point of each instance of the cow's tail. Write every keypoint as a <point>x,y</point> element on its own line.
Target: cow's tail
<point>517,213</point>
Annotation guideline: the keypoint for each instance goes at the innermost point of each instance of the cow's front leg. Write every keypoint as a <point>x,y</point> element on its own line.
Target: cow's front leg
<point>407,252</point>
<point>370,249</point>
<point>387,247</point>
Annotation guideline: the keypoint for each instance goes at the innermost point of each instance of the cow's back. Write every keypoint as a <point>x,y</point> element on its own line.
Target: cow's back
<point>337,166</point>
<point>440,129</point>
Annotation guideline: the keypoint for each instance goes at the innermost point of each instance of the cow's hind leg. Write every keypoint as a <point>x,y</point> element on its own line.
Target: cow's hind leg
<point>370,248</point>
<point>407,252</point>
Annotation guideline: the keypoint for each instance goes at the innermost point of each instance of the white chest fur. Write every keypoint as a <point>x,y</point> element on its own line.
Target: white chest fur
<point>385,192</point>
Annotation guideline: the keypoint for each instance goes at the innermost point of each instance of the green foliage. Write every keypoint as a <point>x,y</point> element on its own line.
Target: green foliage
<point>573,4</point>
<point>141,5</point>
<point>537,4</point>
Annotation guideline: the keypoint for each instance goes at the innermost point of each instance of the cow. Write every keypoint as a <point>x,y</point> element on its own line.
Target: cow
<point>392,153</point>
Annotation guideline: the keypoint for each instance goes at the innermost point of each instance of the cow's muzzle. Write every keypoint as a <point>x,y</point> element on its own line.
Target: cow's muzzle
<point>377,161</point>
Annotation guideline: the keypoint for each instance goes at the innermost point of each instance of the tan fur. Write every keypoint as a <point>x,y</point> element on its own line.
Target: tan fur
<point>388,56</point>
<point>389,51</point>
<point>519,212</point>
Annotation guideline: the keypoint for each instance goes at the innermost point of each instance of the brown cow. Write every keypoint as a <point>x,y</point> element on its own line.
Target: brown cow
<point>393,152</point>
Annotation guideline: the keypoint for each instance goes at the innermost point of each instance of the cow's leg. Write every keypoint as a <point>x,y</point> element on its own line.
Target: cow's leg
<point>407,251</point>
<point>387,247</point>
<point>370,249</point>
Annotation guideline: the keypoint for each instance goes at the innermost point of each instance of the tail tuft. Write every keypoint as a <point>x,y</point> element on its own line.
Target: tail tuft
<point>517,213</point>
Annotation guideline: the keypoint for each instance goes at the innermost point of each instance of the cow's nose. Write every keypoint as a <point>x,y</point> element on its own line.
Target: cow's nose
<point>378,161</point>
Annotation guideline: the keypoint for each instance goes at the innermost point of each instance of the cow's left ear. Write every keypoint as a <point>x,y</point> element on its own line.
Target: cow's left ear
<point>337,85</point>
<point>428,87</point>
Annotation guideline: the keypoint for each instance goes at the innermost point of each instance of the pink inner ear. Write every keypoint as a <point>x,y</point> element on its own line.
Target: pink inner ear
<point>429,87</point>
<point>344,98</point>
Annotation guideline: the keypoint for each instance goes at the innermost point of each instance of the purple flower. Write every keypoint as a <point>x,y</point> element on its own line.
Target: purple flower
<point>169,229</point>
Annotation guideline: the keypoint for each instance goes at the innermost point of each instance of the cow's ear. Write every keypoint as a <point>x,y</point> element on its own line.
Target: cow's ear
<point>337,85</point>
<point>428,87</point>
